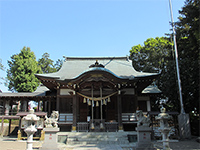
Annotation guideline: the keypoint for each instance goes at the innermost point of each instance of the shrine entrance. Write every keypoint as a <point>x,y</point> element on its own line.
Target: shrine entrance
<point>95,109</point>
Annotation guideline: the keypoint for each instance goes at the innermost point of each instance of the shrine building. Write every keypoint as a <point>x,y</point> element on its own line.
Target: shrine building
<point>92,94</point>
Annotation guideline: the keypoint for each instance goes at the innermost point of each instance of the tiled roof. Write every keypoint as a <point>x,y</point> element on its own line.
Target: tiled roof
<point>75,66</point>
<point>40,91</point>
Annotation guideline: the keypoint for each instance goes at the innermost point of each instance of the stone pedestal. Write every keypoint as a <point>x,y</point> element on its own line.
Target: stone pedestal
<point>184,126</point>
<point>50,140</point>
<point>30,131</point>
<point>144,138</point>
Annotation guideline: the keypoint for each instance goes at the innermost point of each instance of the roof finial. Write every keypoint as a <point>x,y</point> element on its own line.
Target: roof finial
<point>96,64</point>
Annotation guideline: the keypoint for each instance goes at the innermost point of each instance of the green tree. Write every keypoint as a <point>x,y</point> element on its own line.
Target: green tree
<point>157,56</point>
<point>22,68</point>
<point>1,65</point>
<point>47,65</point>
<point>58,64</point>
<point>188,39</point>
<point>153,56</point>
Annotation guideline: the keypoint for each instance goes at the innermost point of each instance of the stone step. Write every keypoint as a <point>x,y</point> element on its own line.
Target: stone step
<point>96,142</point>
<point>81,138</point>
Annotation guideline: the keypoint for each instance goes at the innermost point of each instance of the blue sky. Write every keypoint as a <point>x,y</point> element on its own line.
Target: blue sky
<point>80,27</point>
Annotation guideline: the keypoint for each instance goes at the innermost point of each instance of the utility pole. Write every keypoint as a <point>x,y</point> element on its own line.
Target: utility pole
<point>176,57</point>
<point>183,118</point>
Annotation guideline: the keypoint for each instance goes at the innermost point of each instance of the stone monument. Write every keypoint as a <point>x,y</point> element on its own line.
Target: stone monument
<point>29,122</point>
<point>164,127</point>
<point>51,128</point>
<point>184,126</point>
<point>143,132</point>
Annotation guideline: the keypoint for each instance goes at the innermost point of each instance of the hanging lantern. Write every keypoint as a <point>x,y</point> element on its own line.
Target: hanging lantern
<point>97,103</point>
<point>108,99</point>
<point>84,100</point>
<point>89,102</point>
<point>104,102</point>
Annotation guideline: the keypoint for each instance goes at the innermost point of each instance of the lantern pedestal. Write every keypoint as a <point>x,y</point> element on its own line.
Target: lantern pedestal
<point>50,140</point>
<point>144,138</point>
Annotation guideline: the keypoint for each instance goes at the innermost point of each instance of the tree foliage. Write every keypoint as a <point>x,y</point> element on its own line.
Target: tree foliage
<point>153,56</point>
<point>47,65</point>
<point>22,68</point>
<point>1,65</point>
<point>188,38</point>
<point>58,64</point>
<point>157,56</point>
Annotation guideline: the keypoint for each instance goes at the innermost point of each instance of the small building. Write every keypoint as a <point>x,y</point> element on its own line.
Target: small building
<point>93,93</point>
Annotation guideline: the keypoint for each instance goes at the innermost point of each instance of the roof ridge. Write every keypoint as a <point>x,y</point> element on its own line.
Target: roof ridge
<point>94,58</point>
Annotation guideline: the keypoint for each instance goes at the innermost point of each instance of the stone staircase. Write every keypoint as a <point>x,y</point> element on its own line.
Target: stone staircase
<point>85,138</point>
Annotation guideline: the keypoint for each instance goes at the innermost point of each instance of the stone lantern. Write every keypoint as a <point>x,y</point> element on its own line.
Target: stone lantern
<point>164,127</point>
<point>29,121</point>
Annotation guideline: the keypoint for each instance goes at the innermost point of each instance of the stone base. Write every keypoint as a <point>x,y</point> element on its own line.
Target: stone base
<point>144,146</point>
<point>50,140</point>
<point>184,126</point>
<point>144,138</point>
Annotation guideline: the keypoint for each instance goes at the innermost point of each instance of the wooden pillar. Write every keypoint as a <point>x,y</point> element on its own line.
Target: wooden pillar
<point>136,99</point>
<point>74,111</point>
<point>49,107</point>
<point>7,107</point>
<point>27,106</point>
<point>58,100</point>
<point>24,105</point>
<point>119,104</point>
<point>4,105</point>
<point>45,105</point>
<point>21,105</point>
<point>10,121</point>
<point>11,108</point>
<point>38,105</point>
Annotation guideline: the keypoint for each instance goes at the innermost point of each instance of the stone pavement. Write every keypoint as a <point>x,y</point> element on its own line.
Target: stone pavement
<point>13,144</point>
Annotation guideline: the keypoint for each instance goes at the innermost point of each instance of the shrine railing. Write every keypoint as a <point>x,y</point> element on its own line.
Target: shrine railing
<point>111,126</point>
<point>82,126</point>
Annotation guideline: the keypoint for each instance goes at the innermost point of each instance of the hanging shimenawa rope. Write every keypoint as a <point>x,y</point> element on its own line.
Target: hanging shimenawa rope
<point>96,98</point>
